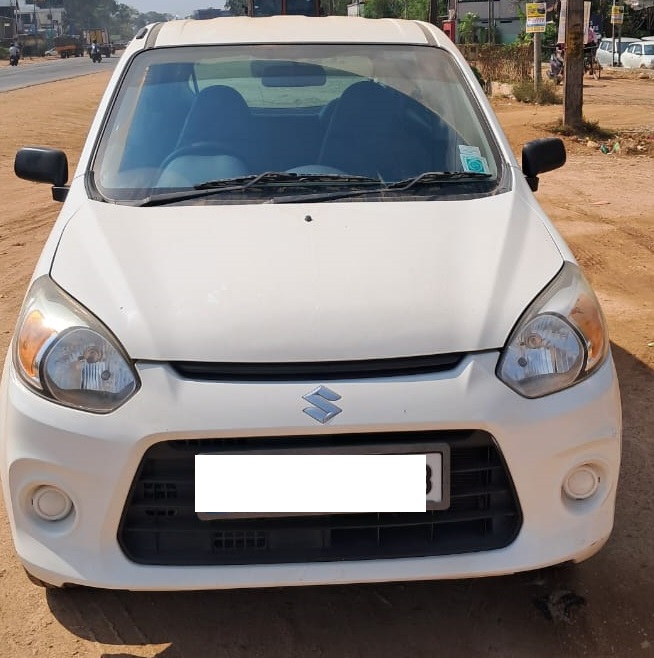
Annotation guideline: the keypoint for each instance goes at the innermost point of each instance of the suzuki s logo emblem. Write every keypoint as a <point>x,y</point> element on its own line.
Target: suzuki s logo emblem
<point>321,398</point>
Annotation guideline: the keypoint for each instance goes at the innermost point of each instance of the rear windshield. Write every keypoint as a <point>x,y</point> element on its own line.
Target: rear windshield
<point>187,116</point>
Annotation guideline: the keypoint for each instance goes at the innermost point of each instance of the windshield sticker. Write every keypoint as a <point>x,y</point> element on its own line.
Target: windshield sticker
<point>472,160</point>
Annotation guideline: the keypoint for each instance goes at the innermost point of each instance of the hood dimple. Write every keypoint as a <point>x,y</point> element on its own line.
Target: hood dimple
<point>259,283</point>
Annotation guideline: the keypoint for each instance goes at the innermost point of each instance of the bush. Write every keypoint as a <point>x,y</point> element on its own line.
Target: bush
<point>545,95</point>
<point>480,77</point>
<point>587,130</point>
<point>501,63</point>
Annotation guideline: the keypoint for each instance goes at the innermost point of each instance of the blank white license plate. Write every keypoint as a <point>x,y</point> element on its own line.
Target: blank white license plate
<point>434,485</point>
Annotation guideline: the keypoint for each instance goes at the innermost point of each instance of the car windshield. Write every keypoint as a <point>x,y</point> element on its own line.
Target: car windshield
<point>615,46</point>
<point>316,119</point>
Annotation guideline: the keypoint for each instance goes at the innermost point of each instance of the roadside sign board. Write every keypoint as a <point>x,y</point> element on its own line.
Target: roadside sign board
<point>617,15</point>
<point>536,17</point>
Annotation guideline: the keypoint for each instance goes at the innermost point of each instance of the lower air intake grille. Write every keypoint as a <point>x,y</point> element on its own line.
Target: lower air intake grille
<point>159,525</point>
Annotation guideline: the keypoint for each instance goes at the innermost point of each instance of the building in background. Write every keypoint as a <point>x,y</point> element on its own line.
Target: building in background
<point>356,8</point>
<point>8,18</point>
<point>23,18</point>
<point>499,16</point>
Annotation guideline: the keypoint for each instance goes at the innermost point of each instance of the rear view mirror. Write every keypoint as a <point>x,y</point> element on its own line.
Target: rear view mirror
<point>291,74</point>
<point>43,165</point>
<point>540,156</point>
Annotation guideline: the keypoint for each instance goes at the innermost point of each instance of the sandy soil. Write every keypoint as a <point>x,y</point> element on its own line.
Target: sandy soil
<point>604,205</point>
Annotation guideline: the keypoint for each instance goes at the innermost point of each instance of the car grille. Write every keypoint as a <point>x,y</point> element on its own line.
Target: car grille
<point>159,525</point>
<point>312,370</point>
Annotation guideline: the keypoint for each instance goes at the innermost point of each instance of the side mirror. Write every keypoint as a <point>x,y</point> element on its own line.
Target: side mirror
<point>44,165</point>
<point>540,156</point>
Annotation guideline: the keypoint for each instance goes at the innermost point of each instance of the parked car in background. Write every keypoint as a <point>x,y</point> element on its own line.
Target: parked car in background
<point>639,55</point>
<point>610,50</point>
<point>303,237</point>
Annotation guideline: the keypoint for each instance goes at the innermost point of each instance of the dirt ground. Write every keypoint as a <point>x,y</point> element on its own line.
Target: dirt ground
<point>603,204</point>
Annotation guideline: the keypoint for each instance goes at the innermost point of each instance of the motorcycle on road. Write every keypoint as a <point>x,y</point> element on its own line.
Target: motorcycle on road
<point>14,55</point>
<point>95,54</point>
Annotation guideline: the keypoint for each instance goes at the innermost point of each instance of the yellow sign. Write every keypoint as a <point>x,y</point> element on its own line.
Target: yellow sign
<point>617,15</point>
<point>536,16</point>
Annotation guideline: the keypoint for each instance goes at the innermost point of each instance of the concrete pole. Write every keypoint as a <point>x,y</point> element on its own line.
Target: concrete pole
<point>537,61</point>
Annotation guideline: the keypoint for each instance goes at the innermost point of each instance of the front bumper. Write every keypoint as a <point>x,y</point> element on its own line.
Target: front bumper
<point>95,459</point>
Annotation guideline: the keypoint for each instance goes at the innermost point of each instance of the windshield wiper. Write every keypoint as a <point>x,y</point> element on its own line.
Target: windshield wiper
<point>242,183</point>
<point>430,177</point>
<point>425,178</point>
<point>286,177</point>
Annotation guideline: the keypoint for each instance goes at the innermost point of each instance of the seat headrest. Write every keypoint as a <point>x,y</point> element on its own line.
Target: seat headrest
<point>218,112</point>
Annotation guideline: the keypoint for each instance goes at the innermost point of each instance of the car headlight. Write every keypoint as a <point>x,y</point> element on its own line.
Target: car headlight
<point>560,339</point>
<point>66,354</point>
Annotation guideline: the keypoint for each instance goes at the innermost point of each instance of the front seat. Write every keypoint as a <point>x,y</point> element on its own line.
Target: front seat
<point>215,142</point>
<point>219,114</point>
<point>371,133</point>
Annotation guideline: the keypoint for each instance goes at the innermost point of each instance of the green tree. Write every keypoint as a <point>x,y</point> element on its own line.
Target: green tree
<point>384,8</point>
<point>469,28</point>
<point>237,7</point>
<point>416,9</point>
<point>123,21</point>
<point>335,7</point>
<point>83,14</point>
<point>150,17</point>
<point>117,17</point>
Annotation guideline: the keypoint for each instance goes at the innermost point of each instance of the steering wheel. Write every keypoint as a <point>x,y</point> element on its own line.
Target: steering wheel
<point>204,148</point>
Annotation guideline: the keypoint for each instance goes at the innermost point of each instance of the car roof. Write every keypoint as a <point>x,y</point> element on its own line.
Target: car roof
<point>623,39</point>
<point>295,29</point>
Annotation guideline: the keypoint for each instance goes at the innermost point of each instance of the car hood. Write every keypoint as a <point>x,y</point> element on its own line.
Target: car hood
<point>313,282</point>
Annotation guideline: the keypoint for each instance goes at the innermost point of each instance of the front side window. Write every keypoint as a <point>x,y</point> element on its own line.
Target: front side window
<point>189,117</point>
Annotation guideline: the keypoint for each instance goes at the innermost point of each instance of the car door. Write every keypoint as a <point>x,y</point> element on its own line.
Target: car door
<point>631,56</point>
<point>604,53</point>
<point>648,55</point>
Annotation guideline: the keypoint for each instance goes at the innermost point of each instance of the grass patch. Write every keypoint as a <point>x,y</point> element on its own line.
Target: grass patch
<point>546,94</point>
<point>587,130</point>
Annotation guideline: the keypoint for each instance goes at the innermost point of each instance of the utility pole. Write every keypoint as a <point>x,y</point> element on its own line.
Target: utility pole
<point>537,62</point>
<point>613,37</point>
<point>574,64</point>
<point>433,12</point>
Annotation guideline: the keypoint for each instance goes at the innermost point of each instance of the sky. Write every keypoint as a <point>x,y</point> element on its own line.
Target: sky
<point>176,7</point>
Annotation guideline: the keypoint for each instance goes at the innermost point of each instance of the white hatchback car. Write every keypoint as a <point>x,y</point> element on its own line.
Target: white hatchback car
<point>609,51</point>
<point>309,237</point>
<point>639,55</point>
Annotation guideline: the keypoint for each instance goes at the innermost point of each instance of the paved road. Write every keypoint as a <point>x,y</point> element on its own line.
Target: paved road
<point>37,72</point>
